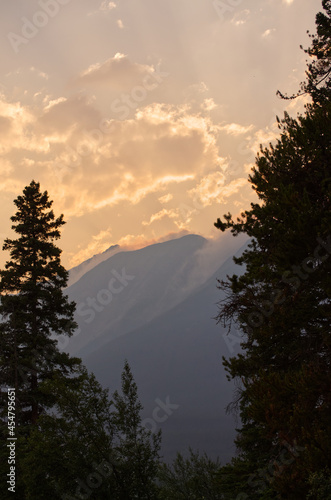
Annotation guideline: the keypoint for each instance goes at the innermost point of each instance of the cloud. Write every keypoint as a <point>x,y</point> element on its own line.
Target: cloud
<point>101,166</point>
<point>54,102</point>
<point>209,104</point>
<point>197,88</point>
<point>209,188</point>
<point>181,215</point>
<point>92,163</point>
<point>6,168</point>
<point>241,17</point>
<point>212,256</point>
<point>41,74</point>
<point>100,242</point>
<point>118,72</point>
<point>212,188</point>
<point>162,146</point>
<point>6,124</point>
<point>63,115</point>
<point>236,129</point>
<point>18,134</point>
<point>165,154</point>
<point>138,194</point>
<point>107,6</point>
<point>134,242</point>
<point>268,32</point>
<point>166,198</point>
<point>160,215</point>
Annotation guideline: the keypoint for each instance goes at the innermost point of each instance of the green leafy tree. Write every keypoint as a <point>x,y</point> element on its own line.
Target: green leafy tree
<point>34,312</point>
<point>282,300</point>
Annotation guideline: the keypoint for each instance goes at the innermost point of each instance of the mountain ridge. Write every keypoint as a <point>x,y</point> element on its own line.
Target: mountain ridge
<point>176,352</point>
<point>159,273</point>
<point>75,273</point>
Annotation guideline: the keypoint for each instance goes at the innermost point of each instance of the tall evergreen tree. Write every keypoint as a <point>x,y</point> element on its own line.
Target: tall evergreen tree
<point>282,302</point>
<point>70,450</point>
<point>318,83</point>
<point>92,445</point>
<point>136,448</point>
<point>34,311</point>
<point>193,478</point>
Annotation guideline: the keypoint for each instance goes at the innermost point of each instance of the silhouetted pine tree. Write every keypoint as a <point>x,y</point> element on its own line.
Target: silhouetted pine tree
<point>282,302</point>
<point>34,312</point>
<point>92,446</point>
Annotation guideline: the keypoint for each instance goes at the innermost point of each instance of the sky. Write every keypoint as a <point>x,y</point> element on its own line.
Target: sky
<point>142,118</point>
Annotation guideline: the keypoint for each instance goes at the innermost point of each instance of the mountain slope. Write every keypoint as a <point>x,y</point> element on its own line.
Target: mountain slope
<point>78,271</point>
<point>174,353</point>
<point>131,288</point>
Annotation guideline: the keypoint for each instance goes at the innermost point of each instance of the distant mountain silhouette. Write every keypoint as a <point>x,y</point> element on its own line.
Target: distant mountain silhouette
<point>161,321</point>
<point>77,272</point>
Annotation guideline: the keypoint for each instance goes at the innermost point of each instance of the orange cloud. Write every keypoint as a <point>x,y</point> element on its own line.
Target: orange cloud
<point>134,242</point>
<point>118,72</point>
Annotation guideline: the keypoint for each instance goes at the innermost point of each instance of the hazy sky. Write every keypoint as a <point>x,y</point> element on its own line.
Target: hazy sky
<point>141,118</point>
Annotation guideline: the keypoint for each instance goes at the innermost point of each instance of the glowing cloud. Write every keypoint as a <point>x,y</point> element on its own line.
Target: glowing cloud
<point>236,129</point>
<point>100,242</point>
<point>118,72</point>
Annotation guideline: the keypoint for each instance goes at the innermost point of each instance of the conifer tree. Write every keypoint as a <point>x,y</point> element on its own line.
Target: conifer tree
<point>136,449</point>
<point>70,451</point>
<point>318,82</point>
<point>33,306</point>
<point>282,302</point>
<point>194,477</point>
<point>92,445</point>
<point>34,311</point>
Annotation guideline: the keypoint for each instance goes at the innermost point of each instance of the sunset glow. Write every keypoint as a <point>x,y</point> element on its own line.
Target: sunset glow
<point>142,119</point>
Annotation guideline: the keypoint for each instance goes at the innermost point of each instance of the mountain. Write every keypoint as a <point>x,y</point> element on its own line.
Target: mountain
<point>77,272</point>
<point>155,308</point>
